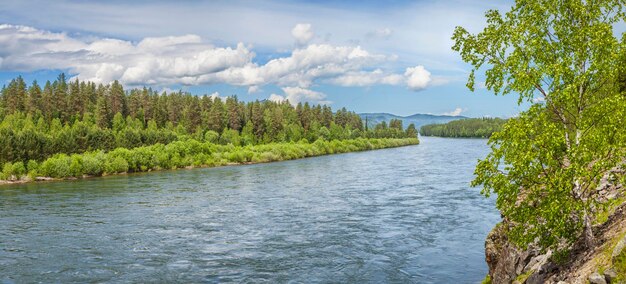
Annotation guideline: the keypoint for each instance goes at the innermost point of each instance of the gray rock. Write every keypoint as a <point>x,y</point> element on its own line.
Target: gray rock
<point>536,278</point>
<point>537,262</point>
<point>618,248</point>
<point>596,278</point>
<point>610,275</point>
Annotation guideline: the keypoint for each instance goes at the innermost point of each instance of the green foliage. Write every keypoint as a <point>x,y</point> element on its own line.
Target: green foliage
<point>230,136</point>
<point>411,131</point>
<point>619,264</point>
<point>70,129</point>
<point>117,165</point>
<point>57,166</point>
<point>32,167</point>
<point>471,127</point>
<point>93,165</point>
<point>545,165</point>
<point>193,153</point>
<point>18,169</point>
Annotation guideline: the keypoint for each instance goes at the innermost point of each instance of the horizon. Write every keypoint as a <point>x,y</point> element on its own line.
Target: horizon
<point>394,58</point>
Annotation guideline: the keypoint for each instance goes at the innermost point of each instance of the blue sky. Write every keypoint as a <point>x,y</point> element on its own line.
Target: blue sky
<point>369,56</point>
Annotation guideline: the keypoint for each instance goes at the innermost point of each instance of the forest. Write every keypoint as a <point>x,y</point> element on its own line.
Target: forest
<point>466,128</point>
<point>75,128</point>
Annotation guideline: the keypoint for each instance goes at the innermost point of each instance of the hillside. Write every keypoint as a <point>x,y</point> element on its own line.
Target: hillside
<point>418,119</point>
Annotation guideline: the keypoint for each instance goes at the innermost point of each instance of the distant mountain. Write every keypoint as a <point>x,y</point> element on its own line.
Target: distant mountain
<point>418,119</point>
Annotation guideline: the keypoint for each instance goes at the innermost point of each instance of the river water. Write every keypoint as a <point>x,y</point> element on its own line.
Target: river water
<point>403,215</point>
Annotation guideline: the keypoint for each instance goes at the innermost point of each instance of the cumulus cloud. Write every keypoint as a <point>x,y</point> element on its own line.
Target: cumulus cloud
<point>456,112</point>
<point>297,95</point>
<point>362,78</point>
<point>417,78</point>
<point>253,89</point>
<point>303,33</point>
<point>216,95</point>
<point>276,98</point>
<point>190,60</point>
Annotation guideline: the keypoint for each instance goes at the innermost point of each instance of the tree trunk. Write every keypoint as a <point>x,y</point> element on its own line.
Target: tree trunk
<point>588,231</point>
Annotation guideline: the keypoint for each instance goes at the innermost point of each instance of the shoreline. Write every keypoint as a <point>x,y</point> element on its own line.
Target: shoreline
<point>44,179</point>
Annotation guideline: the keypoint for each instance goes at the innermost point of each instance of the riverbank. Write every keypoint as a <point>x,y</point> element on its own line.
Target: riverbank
<point>182,154</point>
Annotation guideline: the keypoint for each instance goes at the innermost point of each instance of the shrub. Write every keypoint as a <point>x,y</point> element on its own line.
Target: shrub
<point>76,167</point>
<point>93,166</point>
<point>18,170</point>
<point>57,167</point>
<point>230,136</point>
<point>6,171</point>
<point>117,165</point>
<point>211,137</point>
<point>32,168</point>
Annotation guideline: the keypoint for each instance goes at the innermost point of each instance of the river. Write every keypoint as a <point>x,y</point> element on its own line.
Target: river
<point>402,215</point>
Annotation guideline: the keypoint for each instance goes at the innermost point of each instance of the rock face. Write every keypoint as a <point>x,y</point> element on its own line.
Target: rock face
<point>506,262</point>
<point>509,264</point>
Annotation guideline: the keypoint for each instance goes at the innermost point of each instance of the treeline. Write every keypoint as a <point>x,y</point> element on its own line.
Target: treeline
<point>77,117</point>
<point>464,128</point>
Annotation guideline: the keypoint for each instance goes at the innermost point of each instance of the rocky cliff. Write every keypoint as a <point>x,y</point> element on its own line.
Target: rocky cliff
<point>605,262</point>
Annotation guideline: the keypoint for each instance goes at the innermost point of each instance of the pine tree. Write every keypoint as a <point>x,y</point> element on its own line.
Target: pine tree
<point>117,99</point>
<point>102,113</point>
<point>34,105</point>
<point>216,116</point>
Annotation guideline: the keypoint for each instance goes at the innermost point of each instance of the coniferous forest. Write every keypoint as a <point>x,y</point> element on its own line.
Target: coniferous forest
<point>464,128</point>
<point>71,128</point>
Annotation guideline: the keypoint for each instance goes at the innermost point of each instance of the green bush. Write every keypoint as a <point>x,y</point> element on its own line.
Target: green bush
<point>211,137</point>
<point>93,166</point>
<point>188,153</point>
<point>117,165</point>
<point>32,168</point>
<point>230,136</point>
<point>6,171</point>
<point>18,170</point>
<point>57,167</point>
<point>76,166</point>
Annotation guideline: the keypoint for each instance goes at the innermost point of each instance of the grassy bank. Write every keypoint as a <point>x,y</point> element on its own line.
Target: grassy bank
<point>183,154</point>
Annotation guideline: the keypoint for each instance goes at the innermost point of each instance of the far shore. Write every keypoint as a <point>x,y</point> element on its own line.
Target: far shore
<point>41,179</point>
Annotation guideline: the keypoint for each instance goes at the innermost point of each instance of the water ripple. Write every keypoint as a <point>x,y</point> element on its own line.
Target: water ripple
<point>404,215</point>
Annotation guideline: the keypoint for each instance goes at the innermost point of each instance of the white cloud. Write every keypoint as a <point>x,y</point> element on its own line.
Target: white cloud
<point>297,95</point>
<point>424,38</point>
<point>417,78</point>
<point>216,95</point>
<point>456,112</point>
<point>276,98</point>
<point>253,89</point>
<point>167,90</point>
<point>190,60</point>
<point>303,33</point>
<point>362,78</point>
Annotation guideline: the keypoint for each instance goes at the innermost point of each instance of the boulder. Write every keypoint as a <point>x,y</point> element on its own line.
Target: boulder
<point>610,275</point>
<point>596,278</point>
